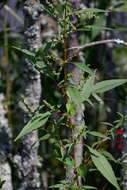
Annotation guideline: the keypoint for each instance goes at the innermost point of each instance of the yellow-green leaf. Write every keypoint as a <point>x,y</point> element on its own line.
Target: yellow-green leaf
<point>104,167</point>
<point>83,67</point>
<point>74,95</point>
<point>88,87</point>
<point>106,85</point>
<point>35,123</point>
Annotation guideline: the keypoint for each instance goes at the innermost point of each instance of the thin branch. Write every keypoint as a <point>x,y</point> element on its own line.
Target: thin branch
<point>118,41</point>
<point>10,10</point>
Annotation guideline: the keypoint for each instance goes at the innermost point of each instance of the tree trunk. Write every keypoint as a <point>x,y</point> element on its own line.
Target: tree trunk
<point>26,160</point>
<point>77,121</point>
<point>5,148</point>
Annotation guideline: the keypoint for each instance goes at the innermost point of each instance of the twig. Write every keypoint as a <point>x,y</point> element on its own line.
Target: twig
<point>10,10</point>
<point>118,41</point>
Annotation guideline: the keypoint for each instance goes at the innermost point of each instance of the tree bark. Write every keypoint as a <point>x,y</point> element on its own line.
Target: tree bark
<point>26,160</point>
<point>5,147</point>
<point>78,120</point>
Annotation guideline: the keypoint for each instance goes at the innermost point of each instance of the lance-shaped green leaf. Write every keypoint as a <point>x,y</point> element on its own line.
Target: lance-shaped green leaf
<point>45,137</point>
<point>74,95</point>
<point>44,48</point>
<point>57,186</point>
<point>88,87</point>
<point>90,10</point>
<point>46,8</point>
<point>106,85</point>
<point>95,10</point>
<point>83,67</point>
<point>25,51</point>
<point>87,187</point>
<point>108,155</point>
<point>104,167</point>
<point>97,134</point>
<point>70,109</point>
<point>94,27</point>
<point>35,123</point>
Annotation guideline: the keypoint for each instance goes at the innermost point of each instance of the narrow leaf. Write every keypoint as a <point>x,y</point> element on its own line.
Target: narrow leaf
<point>46,8</point>
<point>35,123</point>
<point>25,51</point>
<point>83,67</point>
<point>70,109</point>
<point>74,95</point>
<point>98,98</point>
<point>106,85</point>
<point>47,46</point>
<point>57,186</point>
<point>97,134</point>
<point>88,187</point>
<point>95,10</point>
<point>90,10</point>
<point>44,49</point>
<point>108,155</point>
<point>88,86</point>
<point>94,27</point>
<point>104,167</point>
<point>45,137</point>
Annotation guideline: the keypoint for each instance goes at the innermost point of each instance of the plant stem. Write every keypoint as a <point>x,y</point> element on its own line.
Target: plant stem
<point>7,71</point>
<point>65,45</point>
